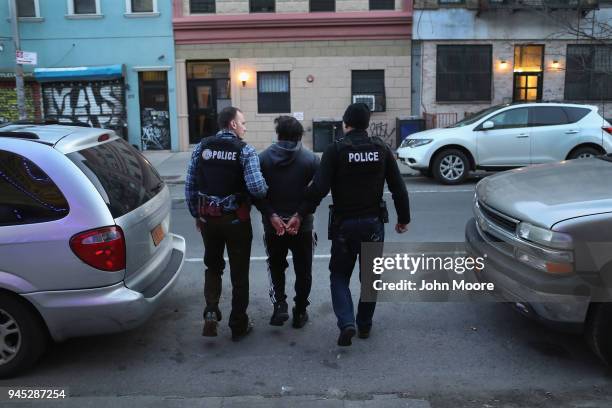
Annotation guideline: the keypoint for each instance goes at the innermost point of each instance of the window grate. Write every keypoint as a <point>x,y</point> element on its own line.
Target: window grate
<point>202,6</point>
<point>463,73</point>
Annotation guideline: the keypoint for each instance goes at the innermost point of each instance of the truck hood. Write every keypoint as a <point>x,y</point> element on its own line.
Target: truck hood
<point>546,194</point>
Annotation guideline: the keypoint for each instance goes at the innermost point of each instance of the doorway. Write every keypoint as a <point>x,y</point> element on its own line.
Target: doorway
<point>528,72</point>
<point>208,92</point>
<point>527,86</point>
<point>154,111</point>
<point>202,109</point>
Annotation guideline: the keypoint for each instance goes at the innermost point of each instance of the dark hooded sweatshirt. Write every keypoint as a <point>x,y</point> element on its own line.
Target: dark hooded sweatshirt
<point>288,168</point>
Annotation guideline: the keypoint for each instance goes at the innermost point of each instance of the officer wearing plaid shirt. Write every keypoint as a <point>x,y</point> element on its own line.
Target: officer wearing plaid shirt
<point>223,173</point>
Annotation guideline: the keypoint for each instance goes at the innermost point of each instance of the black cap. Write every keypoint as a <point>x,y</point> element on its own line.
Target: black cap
<point>357,116</point>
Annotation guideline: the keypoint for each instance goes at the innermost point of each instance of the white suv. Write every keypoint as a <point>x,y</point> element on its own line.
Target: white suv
<point>507,136</point>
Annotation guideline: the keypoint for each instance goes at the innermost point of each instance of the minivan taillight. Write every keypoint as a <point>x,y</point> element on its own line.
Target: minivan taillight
<point>102,248</point>
<point>608,129</point>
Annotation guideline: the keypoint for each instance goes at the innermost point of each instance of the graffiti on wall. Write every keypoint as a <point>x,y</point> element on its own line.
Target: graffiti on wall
<point>99,104</point>
<point>155,129</point>
<point>8,102</point>
<point>381,130</point>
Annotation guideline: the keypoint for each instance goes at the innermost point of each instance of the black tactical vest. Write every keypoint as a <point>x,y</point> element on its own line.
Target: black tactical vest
<point>219,171</point>
<point>360,176</point>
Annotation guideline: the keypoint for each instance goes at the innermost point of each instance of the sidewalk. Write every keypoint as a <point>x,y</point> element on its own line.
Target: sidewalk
<point>324,401</point>
<point>172,166</point>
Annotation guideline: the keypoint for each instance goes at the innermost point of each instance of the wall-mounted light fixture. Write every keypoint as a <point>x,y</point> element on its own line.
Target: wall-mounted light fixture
<point>555,64</point>
<point>244,77</point>
<point>503,63</point>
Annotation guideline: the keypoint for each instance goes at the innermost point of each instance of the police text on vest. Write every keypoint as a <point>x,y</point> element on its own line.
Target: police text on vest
<point>218,155</point>
<point>363,157</point>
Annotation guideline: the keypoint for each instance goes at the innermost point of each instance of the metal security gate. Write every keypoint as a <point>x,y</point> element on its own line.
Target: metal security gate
<point>97,103</point>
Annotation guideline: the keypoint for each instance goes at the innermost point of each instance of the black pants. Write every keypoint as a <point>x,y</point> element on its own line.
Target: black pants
<point>302,246</point>
<point>217,233</point>
<point>346,246</point>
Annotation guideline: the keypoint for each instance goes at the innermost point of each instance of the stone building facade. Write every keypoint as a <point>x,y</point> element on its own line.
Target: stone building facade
<point>321,61</point>
<point>511,33</point>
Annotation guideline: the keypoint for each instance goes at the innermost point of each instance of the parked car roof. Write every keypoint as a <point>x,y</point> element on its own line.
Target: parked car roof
<point>70,136</point>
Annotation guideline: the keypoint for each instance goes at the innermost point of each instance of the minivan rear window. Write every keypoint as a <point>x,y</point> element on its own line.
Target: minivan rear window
<point>122,176</point>
<point>27,194</point>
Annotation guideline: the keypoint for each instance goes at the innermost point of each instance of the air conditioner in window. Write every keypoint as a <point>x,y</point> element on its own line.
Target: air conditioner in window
<point>367,99</point>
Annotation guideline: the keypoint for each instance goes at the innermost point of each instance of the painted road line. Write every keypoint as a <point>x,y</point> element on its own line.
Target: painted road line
<point>258,258</point>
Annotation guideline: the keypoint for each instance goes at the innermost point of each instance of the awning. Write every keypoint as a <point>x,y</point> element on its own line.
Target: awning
<point>78,73</point>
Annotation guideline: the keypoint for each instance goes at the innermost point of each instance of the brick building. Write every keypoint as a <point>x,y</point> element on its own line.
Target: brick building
<point>304,58</point>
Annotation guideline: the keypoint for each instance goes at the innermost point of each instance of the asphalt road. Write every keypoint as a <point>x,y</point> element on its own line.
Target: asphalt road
<point>449,354</point>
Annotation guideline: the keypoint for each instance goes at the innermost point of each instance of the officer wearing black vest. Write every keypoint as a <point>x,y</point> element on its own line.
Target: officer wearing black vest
<point>223,173</point>
<point>355,168</point>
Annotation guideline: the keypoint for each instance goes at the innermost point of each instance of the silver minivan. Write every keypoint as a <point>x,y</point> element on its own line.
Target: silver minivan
<point>85,246</point>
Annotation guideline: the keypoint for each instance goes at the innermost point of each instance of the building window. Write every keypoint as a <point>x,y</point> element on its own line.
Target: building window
<point>84,7</point>
<point>273,94</point>
<point>369,87</point>
<point>202,6</point>
<point>382,4</point>
<point>27,8</point>
<point>322,5</point>
<point>463,73</point>
<point>587,75</point>
<point>141,6</point>
<point>443,2</point>
<point>261,6</point>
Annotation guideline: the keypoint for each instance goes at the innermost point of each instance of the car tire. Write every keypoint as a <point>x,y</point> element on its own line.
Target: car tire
<point>584,152</point>
<point>21,330</point>
<point>451,167</point>
<point>599,331</point>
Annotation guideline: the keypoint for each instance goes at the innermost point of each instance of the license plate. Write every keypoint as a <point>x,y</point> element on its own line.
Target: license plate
<point>157,234</point>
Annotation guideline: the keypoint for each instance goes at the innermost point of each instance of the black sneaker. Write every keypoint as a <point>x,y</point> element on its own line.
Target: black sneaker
<point>210,325</point>
<point>346,335</point>
<point>299,318</point>
<point>280,315</point>
<point>239,335</point>
<point>363,333</point>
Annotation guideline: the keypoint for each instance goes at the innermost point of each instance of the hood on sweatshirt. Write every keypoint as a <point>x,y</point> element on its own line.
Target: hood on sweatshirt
<point>284,152</point>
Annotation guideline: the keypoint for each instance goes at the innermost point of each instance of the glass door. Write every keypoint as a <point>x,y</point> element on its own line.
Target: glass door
<point>527,86</point>
<point>202,109</point>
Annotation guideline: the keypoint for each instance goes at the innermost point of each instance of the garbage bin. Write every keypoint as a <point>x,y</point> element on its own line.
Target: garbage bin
<point>325,132</point>
<point>408,126</point>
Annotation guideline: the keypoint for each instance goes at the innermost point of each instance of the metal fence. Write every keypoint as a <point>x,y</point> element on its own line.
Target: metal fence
<point>439,120</point>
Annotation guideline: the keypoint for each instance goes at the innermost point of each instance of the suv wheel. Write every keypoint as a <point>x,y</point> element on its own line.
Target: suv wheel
<point>23,338</point>
<point>584,152</point>
<point>599,331</point>
<point>451,166</point>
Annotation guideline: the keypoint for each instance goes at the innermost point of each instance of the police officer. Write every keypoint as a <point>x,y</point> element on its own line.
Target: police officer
<point>355,168</point>
<point>223,171</point>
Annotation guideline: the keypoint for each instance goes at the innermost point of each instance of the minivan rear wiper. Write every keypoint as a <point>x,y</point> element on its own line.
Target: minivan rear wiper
<point>158,187</point>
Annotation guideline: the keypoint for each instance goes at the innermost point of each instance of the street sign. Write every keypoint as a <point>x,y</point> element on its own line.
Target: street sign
<point>26,58</point>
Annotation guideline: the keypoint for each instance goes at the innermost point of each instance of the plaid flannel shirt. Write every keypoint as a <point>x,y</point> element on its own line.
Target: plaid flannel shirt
<point>249,160</point>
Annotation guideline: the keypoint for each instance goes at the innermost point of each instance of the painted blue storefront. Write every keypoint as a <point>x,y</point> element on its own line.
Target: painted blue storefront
<point>112,68</point>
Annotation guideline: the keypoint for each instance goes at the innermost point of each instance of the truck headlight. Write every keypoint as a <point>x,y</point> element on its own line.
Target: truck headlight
<point>415,142</point>
<point>544,236</point>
